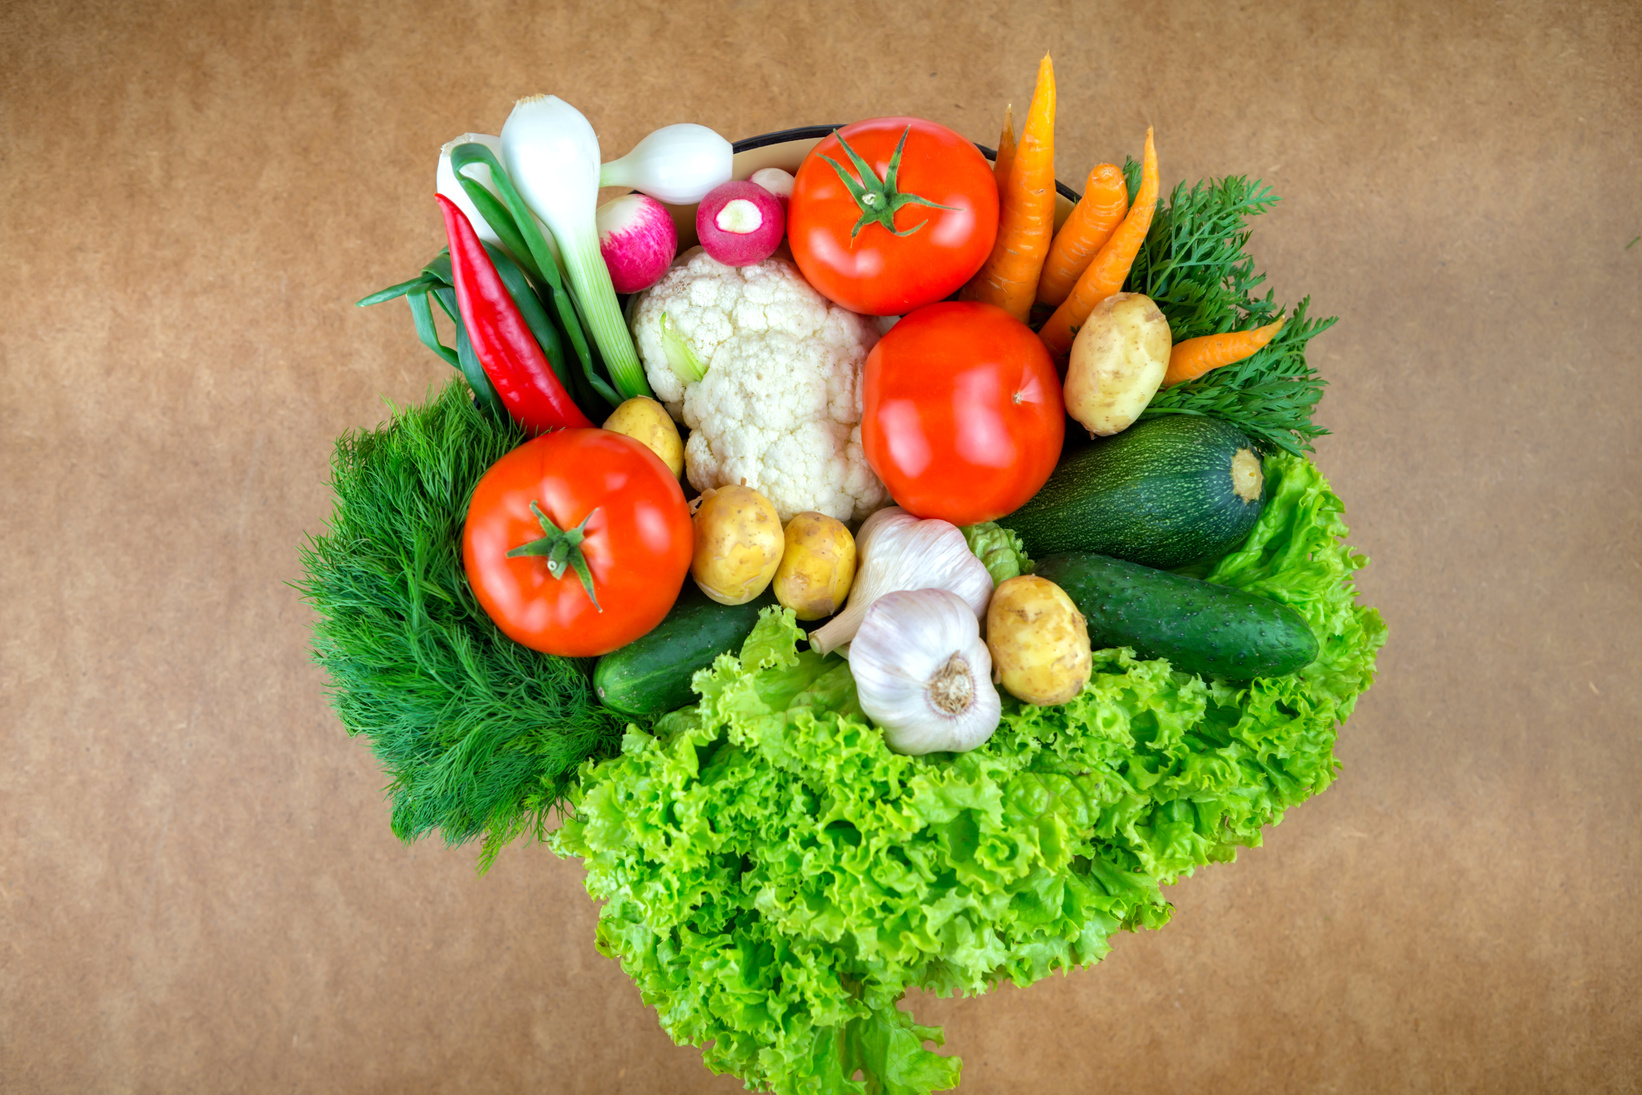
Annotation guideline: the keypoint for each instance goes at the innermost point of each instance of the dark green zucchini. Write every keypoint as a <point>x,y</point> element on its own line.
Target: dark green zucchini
<point>1199,626</point>
<point>651,675</point>
<point>1167,492</point>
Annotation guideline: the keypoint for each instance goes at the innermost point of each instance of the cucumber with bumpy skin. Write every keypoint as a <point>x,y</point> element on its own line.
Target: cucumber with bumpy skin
<point>1200,627</point>
<point>651,675</point>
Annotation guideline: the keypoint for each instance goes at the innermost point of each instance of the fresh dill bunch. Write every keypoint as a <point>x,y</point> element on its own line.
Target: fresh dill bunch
<point>1194,265</point>
<point>479,735</point>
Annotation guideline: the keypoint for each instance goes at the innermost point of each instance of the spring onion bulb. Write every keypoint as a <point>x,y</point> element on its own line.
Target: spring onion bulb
<point>552,156</point>
<point>677,164</point>
<point>446,184</point>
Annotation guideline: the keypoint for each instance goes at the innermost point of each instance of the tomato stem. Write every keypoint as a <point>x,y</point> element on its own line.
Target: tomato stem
<point>561,547</point>
<point>877,198</point>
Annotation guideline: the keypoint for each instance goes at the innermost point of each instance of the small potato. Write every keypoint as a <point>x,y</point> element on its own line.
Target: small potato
<point>1117,363</point>
<point>647,422</point>
<point>1039,641</point>
<point>738,544</point>
<point>817,568</point>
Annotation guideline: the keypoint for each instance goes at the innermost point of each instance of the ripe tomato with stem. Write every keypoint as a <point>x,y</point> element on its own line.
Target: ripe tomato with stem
<point>577,542</point>
<point>890,214</point>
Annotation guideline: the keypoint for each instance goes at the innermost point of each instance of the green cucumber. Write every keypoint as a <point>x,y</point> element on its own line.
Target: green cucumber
<point>1199,626</point>
<point>1167,492</point>
<point>651,675</point>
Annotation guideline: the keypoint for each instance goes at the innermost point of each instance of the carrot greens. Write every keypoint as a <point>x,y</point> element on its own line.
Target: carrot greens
<point>1195,265</point>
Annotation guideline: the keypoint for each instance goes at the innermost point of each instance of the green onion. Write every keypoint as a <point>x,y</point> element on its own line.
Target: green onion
<point>552,157</point>
<point>539,258</point>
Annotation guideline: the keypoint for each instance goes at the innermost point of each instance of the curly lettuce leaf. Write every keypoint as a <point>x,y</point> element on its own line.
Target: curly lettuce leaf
<point>999,549</point>
<point>774,878</point>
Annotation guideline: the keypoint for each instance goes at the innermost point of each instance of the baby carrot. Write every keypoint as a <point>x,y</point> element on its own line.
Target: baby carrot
<point>1105,200</point>
<point>1006,150</point>
<point>1110,266</point>
<point>1192,358</point>
<point>1026,211</point>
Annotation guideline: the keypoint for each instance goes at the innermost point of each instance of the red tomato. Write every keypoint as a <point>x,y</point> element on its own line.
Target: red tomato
<point>961,412</point>
<point>636,541</point>
<point>838,231</point>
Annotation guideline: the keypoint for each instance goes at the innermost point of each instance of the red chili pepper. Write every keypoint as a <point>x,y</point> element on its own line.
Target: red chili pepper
<point>501,339</point>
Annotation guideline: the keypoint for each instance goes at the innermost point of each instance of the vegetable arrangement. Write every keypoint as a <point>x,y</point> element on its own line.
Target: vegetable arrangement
<point>974,766</point>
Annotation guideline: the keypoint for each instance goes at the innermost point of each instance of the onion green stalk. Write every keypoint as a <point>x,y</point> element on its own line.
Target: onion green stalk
<point>521,232</point>
<point>552,156</point>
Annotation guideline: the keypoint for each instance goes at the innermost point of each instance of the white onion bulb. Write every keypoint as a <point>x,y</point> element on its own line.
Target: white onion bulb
<point>677,164</point>
<point>445,182</point>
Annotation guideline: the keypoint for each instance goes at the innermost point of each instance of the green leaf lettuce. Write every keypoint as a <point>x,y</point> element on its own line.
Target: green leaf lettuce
<point>999,549</point>
<point>774,879</point>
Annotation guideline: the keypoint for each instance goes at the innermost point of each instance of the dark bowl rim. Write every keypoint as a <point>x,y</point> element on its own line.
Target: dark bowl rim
<point>816,132</point>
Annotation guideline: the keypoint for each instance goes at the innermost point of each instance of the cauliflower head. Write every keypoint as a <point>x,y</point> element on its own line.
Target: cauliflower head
<point>778,405</point>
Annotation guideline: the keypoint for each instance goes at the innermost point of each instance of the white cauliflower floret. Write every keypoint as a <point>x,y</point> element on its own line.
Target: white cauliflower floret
<point>779,406</point>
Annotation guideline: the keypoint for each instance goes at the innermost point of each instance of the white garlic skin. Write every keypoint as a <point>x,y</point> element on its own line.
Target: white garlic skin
<point>897,551</point>
<point>923,674</point>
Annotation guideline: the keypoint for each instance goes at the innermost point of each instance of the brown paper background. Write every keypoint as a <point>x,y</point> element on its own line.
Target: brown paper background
<point>198,888</point>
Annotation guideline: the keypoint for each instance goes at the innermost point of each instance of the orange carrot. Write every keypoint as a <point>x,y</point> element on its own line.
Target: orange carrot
<point>1192,358</point>
<point>1026,211</point>
<point>1105,200</point>
<point>1006,150</point>
<point>1110,266</point>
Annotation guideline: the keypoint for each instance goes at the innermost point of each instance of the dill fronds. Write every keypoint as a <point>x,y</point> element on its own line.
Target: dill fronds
<point>478,735</point>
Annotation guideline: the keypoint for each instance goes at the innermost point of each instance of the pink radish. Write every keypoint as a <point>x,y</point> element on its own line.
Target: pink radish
<point>776,181</point>
<point>740,223</point>
<point>637,240</point>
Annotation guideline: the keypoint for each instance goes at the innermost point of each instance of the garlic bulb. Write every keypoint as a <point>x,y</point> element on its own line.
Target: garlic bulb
<point>896,551</point>
<point>923,674</point>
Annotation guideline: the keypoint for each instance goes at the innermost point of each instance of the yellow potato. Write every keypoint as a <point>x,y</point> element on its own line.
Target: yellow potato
<point>1039,641</point>
<point>738,544</point>
<point>647,422</point>
<point>1117,363</point>
<point>817,567</point>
